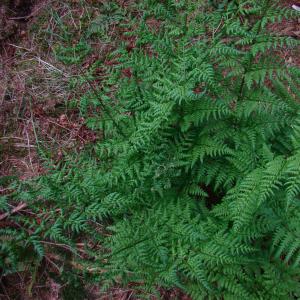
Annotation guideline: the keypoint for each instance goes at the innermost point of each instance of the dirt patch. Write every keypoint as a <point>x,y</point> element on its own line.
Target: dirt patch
<point>21,8</point>
<point>14,14</point>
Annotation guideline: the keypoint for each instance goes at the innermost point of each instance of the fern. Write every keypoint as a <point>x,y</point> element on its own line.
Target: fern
<point>196,182</point>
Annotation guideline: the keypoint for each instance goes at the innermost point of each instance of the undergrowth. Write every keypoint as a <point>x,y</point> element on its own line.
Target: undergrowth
<point>196,182</point>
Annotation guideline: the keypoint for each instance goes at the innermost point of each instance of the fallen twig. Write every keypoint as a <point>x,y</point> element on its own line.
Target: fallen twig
<point>13,211</point>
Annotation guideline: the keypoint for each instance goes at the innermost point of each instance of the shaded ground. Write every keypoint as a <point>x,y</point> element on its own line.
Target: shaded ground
<point>13,15</point>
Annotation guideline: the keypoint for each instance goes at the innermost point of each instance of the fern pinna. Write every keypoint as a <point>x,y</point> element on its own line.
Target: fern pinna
<point>196,182</point>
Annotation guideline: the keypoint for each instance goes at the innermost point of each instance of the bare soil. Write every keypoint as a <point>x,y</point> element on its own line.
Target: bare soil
<point>14,14</point>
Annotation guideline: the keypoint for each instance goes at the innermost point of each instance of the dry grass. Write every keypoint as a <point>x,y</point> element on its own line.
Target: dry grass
<point>34,93</point>
<point>35,115</point>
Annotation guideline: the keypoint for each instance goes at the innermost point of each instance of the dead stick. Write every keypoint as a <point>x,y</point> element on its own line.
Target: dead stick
<point>15,210</point>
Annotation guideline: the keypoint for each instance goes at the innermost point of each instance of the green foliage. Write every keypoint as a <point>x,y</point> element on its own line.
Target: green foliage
<point>196,183</point>
<point>73,55</point>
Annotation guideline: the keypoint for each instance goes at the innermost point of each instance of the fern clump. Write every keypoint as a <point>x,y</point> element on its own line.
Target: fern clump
<point>196,183</point>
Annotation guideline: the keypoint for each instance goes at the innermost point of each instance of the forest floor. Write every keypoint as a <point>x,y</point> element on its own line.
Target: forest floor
<point>38,88</point>
<point>35,85</point>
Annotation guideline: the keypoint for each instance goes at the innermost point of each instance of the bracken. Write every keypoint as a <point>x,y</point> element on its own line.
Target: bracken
<point>196,183</point>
